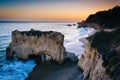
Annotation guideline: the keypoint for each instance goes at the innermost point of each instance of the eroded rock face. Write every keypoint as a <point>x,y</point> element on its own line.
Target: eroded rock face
<point>25,43</point>
<point>91,64</point>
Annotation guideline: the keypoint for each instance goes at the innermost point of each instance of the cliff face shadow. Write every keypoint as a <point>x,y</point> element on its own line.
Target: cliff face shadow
<point>53,71</point>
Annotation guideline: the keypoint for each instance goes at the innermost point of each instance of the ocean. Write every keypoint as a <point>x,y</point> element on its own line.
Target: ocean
<point>18,70</point>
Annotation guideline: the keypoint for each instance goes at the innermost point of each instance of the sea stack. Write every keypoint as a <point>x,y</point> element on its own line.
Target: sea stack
<point>34,42</point>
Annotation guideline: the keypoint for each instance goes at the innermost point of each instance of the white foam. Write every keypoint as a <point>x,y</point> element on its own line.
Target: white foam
<point>4,35</point>
<point>16,70</point>
<point>74,45</point>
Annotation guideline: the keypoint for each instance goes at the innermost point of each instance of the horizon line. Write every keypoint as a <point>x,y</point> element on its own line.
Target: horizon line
<point>36,21</point>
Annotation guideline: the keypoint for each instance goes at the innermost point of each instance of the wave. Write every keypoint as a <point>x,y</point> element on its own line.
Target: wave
<point>16,70</point>
<point>4,35</point>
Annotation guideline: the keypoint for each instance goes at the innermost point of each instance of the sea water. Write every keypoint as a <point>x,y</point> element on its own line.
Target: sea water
<point>18,70</point>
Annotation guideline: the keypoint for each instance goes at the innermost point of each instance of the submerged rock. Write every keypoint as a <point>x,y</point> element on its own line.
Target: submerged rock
<point>72,57</point>
<point>34,42</point>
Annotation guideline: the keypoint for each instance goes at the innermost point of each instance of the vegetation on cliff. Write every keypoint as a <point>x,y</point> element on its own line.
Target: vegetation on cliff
<point>107,18</point>
<point>104,40</point>
<point>101,59</point>
<point>107,43</point>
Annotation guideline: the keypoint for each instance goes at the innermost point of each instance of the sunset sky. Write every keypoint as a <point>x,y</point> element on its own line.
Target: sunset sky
<point>52,10</point>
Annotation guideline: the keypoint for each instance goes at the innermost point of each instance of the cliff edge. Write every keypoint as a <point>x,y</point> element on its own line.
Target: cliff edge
<point>101,60</point>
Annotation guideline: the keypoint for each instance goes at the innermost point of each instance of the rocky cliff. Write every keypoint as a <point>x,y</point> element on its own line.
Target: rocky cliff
<point>101,60</point>
<point>91,64</point>
<point>34,42</point>
<point>105,19</point>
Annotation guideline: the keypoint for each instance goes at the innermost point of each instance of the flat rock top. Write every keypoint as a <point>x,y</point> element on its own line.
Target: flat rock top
<point>37,33</point>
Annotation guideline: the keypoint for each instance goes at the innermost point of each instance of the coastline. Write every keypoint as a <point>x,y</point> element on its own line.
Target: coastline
<point>50,70</point>
<point>91,52</point>
<point>68,70</point>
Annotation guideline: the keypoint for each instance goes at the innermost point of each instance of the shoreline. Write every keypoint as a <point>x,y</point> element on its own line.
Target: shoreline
<point>68,70</point>
<point>50,70</point>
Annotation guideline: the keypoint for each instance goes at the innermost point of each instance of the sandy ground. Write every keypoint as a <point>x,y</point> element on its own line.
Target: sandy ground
<point>52,71</point>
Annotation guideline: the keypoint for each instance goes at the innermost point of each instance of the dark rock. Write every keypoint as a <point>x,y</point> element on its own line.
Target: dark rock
<point>107,18</point>
<point>10,55</point>
<point>72,57</point>
<point>105,63</point>
<point>69,25</point>
<point>109,54</point>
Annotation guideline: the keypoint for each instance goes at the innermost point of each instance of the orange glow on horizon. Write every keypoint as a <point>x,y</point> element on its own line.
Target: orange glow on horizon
<point>58,12</point>
<point>30,15</point>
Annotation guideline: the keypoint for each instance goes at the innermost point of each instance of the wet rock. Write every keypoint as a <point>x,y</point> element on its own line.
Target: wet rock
<point>69,25</point>
<point>72,57</point>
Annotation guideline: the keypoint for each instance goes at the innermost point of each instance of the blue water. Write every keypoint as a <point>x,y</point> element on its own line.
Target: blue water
<point>16,69</point>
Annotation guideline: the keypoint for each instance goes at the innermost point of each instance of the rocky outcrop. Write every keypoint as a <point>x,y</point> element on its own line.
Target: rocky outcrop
<point>71,56</point>
<point>101,59</point>
<point>34,42</point>
<point>85,24</point>
<point>91,64</point>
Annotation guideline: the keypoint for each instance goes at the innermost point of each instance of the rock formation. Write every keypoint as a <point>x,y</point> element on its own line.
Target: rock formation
<point>101,60</point>
<point>34,42</point>
<point>85,24</point>
<point>91,64</point>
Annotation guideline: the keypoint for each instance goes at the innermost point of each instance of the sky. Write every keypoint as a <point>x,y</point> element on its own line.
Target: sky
<point>52,10</point>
